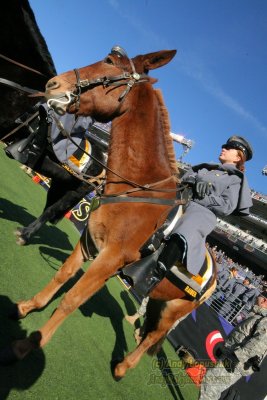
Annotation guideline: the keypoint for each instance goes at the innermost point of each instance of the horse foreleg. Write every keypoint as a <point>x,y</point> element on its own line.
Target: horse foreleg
<point>93,279</point>
<point>53,214</point>
<point>174,310</point>
<point>66,271</point>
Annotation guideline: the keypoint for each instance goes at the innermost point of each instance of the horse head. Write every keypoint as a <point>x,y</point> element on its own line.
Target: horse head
<point>101,89</point>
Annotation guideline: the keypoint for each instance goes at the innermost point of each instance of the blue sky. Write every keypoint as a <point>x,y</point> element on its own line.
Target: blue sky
<point>214,88</point>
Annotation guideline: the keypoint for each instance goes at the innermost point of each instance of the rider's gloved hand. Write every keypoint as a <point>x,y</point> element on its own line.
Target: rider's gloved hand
<point>228,357</point>
<point>189,180</point>
<point>202,189</point>
<point>254,363</point>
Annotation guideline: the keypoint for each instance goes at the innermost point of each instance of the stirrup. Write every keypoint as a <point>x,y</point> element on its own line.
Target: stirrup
<point>192,285</point>
<point>146,273</point>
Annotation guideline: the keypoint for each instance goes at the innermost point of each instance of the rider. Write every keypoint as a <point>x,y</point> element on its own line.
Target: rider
<point>218,190</point>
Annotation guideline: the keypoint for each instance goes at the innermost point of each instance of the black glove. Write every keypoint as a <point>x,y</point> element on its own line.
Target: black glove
<point>190,180</point>
<point>229,359</point>
<point>254,363</point>
<point>202,189</point>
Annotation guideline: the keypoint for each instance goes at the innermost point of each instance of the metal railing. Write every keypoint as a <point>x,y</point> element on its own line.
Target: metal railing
<point>229,307</point>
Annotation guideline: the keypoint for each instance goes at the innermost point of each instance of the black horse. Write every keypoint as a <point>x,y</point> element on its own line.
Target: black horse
<point>25,66</point>
<point>42,151</point>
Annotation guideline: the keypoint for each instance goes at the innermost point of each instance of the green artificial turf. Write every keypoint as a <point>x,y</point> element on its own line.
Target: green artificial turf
<point>75,364</point>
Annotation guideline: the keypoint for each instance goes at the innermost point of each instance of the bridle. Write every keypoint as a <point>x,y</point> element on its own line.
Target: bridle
<point>126,78</point>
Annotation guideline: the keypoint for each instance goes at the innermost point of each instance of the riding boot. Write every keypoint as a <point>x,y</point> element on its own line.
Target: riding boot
<point>172,252</point>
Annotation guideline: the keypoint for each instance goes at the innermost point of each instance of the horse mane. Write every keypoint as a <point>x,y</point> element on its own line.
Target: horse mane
<point>165,122</point>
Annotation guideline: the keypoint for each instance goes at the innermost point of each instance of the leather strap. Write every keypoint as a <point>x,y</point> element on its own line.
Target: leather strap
<point>151,200</point>
<point>21,65</point>
<point>15,85</point>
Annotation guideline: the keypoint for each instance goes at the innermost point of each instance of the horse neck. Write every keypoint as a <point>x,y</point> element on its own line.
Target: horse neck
<point>141,149</point>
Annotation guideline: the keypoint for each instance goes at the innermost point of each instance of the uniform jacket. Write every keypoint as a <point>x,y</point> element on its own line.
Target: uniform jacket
<point>230,193</point>
<point>249,338</point>
<point>237,289</point>
<point>230,190</point>
<point>223,277</point>
<point>250,297</point>
<point>228,285</point>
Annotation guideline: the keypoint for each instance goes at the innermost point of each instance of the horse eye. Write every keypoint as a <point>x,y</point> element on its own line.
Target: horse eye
<point>108,60</point>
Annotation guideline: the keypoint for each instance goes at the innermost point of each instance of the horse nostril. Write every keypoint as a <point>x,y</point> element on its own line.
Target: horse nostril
<point>52,85</point>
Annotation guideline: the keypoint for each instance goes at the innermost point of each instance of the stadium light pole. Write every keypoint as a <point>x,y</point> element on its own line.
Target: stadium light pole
<point>186,143</point>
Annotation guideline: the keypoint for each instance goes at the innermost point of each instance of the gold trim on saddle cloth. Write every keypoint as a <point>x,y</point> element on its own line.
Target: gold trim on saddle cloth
<point>192,285</point>
<point>79,158</point>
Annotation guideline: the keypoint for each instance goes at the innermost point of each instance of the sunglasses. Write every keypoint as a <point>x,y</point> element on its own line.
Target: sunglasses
<point>228,147</point>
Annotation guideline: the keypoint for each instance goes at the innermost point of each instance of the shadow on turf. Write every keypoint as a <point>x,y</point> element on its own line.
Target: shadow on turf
<point>105,305</point>
<point>53,257</point>
<point>128,302</point>
<point>171,380</point>
<point>167,374</point>
<point>50,235</point>
<point>23,374</point>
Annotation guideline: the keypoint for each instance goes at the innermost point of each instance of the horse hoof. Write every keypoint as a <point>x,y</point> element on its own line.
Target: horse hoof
<point>137,336</point>
<point>8,356</point>
<point>113,365</point>
<point>18,231</point>
<point>15,313</point>
<point>20,240</point>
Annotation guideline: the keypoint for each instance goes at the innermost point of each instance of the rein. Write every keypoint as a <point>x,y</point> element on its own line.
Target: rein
<point>21,65</point>
<point>25,123</point>
<point>137,187</point>
<point>24,89</point>
<point>122,196</point>
<point>15,85</point>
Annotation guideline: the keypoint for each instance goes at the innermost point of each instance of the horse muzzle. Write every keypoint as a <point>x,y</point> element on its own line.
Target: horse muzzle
<point>60,101</point>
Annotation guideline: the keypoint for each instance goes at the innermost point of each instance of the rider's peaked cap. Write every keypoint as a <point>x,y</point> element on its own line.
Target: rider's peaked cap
<point>239,143</point>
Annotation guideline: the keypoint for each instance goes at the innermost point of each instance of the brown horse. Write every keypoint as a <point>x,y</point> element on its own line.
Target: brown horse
<point>141,166</point>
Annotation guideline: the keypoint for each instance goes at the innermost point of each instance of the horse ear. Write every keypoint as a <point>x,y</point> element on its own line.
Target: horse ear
<point>158,59</point>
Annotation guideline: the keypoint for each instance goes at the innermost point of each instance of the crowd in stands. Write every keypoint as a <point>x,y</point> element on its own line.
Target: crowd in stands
<point>237,288</point>
<point>245,237</point>
<point>258,196</point>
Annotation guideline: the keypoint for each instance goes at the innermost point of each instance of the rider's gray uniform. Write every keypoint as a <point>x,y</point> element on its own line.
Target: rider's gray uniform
<point>230,192</point>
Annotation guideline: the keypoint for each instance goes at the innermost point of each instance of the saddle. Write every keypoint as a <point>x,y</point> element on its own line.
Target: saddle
<point>139,273</point>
